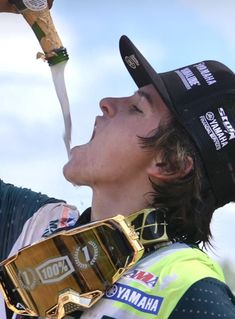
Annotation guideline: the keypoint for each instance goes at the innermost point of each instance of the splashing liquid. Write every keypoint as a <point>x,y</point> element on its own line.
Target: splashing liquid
<point>57,72</point>
<point>37,15</point>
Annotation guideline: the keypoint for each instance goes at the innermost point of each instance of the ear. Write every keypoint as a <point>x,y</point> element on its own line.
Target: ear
<point>158,170</point>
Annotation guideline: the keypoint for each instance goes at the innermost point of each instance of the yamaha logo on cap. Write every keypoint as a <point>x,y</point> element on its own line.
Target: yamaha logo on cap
<point>190,79</point>
<point>219,129</point>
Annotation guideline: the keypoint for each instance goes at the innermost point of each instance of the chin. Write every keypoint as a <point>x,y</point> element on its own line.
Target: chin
<point>67,172</point>
<point>70,175</point>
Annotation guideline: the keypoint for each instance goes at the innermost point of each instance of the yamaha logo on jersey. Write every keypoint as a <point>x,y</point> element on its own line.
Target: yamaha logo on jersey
<point>135,298</point>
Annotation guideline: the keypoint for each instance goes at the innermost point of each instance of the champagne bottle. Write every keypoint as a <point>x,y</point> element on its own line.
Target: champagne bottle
<point>37,15</point>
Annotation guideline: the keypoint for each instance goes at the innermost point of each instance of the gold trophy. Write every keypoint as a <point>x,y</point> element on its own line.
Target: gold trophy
<point>70,270</point>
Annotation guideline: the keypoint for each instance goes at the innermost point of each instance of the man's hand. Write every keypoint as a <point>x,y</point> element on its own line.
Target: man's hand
<point>5,6</point>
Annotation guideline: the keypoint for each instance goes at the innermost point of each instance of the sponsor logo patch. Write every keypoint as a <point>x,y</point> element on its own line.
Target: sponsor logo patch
<point>205,73</point>
<point>188,78</point>
<point>143,277</point>
<point>87,255</point>
<point>220,134</point>
<point>135,298</point>
<point>68,218</point>
<point>49,272</point>
<point>54,270</point>
<point>132,61</point>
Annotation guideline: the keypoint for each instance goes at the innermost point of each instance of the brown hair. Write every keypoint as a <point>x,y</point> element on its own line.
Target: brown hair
<point>189,201</point>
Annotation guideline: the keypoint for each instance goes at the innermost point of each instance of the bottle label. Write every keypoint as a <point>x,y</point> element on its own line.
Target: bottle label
<point>35,5</point>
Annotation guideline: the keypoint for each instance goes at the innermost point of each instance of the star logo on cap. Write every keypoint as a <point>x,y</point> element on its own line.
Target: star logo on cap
<point>132,61</point>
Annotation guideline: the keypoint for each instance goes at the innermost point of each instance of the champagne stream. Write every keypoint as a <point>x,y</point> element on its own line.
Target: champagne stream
<point>57,72</point>
<point>37,15</point>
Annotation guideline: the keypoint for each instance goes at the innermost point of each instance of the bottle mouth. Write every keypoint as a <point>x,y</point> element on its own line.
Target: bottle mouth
<point>58,55</point>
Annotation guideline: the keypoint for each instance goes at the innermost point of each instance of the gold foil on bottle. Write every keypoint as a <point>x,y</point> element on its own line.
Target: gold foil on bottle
<point>42,24</point>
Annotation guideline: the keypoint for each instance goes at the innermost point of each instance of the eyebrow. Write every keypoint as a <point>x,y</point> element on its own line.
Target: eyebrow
<point>146,95</point>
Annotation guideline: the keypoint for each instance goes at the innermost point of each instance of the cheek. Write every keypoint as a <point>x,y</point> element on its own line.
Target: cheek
<point>123,154</point>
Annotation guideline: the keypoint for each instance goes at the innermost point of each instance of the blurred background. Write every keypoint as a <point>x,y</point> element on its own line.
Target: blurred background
<point>169,33</point>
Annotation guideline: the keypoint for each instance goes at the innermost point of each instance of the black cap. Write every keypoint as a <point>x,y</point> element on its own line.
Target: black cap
<point>202,98</point>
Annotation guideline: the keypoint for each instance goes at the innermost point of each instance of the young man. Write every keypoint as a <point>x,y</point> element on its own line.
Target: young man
<point>163,157</point>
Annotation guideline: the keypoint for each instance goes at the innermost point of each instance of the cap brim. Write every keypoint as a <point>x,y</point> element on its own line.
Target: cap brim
<point>140,70</point>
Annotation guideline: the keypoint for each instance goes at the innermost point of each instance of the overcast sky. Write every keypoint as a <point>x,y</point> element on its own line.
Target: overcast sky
<point>170,33</point>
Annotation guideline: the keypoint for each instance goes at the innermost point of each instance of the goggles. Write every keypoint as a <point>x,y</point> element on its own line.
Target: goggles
<point>70,270</point>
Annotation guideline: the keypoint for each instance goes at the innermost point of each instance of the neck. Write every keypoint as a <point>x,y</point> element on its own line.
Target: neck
<point>122,200</point>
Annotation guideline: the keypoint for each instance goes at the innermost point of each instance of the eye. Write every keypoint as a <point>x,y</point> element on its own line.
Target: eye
<point>134,108</point>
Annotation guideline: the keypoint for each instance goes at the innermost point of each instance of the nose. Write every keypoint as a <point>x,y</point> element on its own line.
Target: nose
<point>108,106</point>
